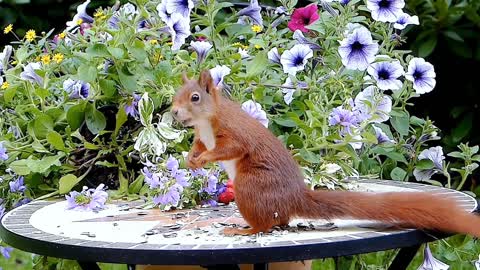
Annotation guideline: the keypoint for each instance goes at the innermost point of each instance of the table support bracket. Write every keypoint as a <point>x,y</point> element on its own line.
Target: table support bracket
<point>89,265</point>
<point>404,258</point>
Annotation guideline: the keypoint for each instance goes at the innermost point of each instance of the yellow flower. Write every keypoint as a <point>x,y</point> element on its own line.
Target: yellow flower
<point>237,44</point>
<point>157,57</point>
<point>37,58</point>
<point>5,85</point>
<point>244,47</point>
<point>14,62</point>
<point>58,58</point>
<point>257,46</point>
<point>30,35</point>
<point>8,29</point>
<point>62,35</point>
<point>46,59</point>
<point>79,21</point>
<point>153,42</point>
<point>169,43</point>
<point>98,14</point>
<point>257,28</point>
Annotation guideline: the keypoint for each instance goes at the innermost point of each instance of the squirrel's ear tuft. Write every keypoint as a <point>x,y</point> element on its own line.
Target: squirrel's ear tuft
<point>206,82</point>
<point>185,77</point>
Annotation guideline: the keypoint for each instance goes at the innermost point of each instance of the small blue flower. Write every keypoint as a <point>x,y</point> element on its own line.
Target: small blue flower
<point>358,49</point>
<point>22,202</point>
<point>218,73</point>
<point>198,172</point>
<point>88,199</point>
<point>422,74</point>
<point>152,179</point>
<point>2,210</point>
<point>171,197</point>
<point>201,48</point>
<point>76,89</point>
<point>386,73</point>
<point>243,53</point>
<point>274,56</point>
<point>181,177</point>
<point>172,164</point>
<point>405,19</point>
<point>301,39</point>
<point>81,15</point>
<point>254,109</point>
<point>435,154</point>
<point>30,75</point>
<point>182,7</point>
<point>376,106</point>
<point>253,12</point>
<point>296,58</point>
<point>288,92</point>
<point>5,251</point>
<point>211,187</point>
<point>344,118</point>
<point>381,136</point>
<point>131,108</point>
<point>179,29</point>
<point>3,152</point>
<point>385,10</point>
<point>17,185</point>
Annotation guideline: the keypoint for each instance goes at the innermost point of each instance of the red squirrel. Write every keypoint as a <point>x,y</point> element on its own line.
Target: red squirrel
<point>269,185</point>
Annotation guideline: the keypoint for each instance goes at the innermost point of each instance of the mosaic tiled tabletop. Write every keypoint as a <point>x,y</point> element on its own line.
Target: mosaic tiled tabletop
<point>47,228</point>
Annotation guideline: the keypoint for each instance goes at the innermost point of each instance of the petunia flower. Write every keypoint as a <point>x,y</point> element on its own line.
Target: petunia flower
<point>296,58</point>
<point>131,108</point>
<point>430,262</point>
<point>288,92</point>
<point>179,29</point>
<point>301,39</point>
<point>476,263</point>
<point>3,152</point>
<point>128,10</point>
<point>274,56</point>
<point>5,251</point>
<point>376,105</point>
<point>422,74</point>
<point>385,10</point>
<point>405,19</point>
<point>435,154</point>
<point>30,75</point>
<point>302,17</point>
<point>76,89</point>
<point>358,49</point>
<point>17,185</point>
<point>201,48</point>
<point>5,57</point>
<point>252,12</point>
<point>386,73</point>
<point>218,73</point>
<point>162,12</point>
<point>281,10</point>
<point>381,136</point>
<point>182,7</point>
<point>87,199</point>
<point>81,16</point>
<point>254,109</point>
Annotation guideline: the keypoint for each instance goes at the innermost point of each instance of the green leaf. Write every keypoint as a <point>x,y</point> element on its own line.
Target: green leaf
<point>76,115</point>
<point>9,94</point>
<point>87,73</point>
<point>95,119</point>
<point>56,140</point>
<point>145,108</point>
<point>417,121</point>
<point>456,154</point>
<point>123,183</point>
<point>398,174</point>
<point>400,124</point>
<point>42,165</point>
<point>67,182</point>
<point>317,26</point>
<point>121,117</point>
<point>42,126</point>
<point>20,167</point>
<point>98,49</point>
<point>476,158</point>
<point>108,87</point>
<point>396,156</point>
<point>138,51</point>
<point>91,146</point>
<point>136,185</point>
<point>453,35</point>
<point>38,147</point>
<point>115,52</point>
<point>238,29</point>
<point>309,156</point>
<point>474,149</point>
<point>427,46</point>
<point>257,65</point>
<point>425,164</point>
<point>127,80</point>
<point>107,164</point>
<point>295,140</point>
<point>285,122</point>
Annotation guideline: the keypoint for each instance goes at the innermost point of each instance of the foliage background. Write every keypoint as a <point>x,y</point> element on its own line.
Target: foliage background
<point>448,38</point>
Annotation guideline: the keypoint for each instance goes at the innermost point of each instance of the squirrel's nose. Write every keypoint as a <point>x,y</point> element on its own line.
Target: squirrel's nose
<point>175,111</point>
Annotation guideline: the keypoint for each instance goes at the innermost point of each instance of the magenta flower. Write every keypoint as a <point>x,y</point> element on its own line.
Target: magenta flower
<point>302,17</point>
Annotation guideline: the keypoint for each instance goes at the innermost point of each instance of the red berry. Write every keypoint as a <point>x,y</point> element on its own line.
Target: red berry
<point>227,196</point>
<point>230,183</point>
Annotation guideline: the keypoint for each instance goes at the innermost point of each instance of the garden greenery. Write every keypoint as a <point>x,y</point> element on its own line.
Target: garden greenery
<point>90,104</point>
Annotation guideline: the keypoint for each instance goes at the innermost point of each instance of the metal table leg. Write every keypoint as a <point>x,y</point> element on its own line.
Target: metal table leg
<point>222,267</point>
<point>89,265</point>
<point>131,267</point>
<point>260,266</point>
<point>403,258</point>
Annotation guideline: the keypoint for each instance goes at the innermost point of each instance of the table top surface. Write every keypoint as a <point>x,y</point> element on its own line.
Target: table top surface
<point>126,233</point>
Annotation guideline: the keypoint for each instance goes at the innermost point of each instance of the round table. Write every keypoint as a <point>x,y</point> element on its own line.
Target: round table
<point>126,233</point>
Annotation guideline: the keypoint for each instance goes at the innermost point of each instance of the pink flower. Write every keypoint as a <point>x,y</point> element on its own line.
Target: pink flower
<point>302,17</point>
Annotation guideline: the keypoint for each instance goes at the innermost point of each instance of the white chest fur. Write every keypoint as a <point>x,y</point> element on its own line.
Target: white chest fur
<point>230,168</point>
<point>205,131</point>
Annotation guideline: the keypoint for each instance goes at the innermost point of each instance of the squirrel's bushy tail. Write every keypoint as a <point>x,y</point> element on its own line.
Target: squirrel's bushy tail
<point>407,209</point>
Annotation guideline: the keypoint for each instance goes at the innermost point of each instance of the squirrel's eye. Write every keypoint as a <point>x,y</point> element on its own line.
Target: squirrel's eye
<point>195,98</point>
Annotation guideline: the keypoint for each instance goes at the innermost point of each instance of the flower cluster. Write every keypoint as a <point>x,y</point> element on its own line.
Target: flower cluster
<point>87,199</point>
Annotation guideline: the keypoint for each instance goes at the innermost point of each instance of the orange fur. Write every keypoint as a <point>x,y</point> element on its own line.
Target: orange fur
<point>269,186</point>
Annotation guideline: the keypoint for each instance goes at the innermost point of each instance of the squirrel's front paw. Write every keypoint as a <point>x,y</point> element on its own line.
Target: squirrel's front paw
<point>195,162</point>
